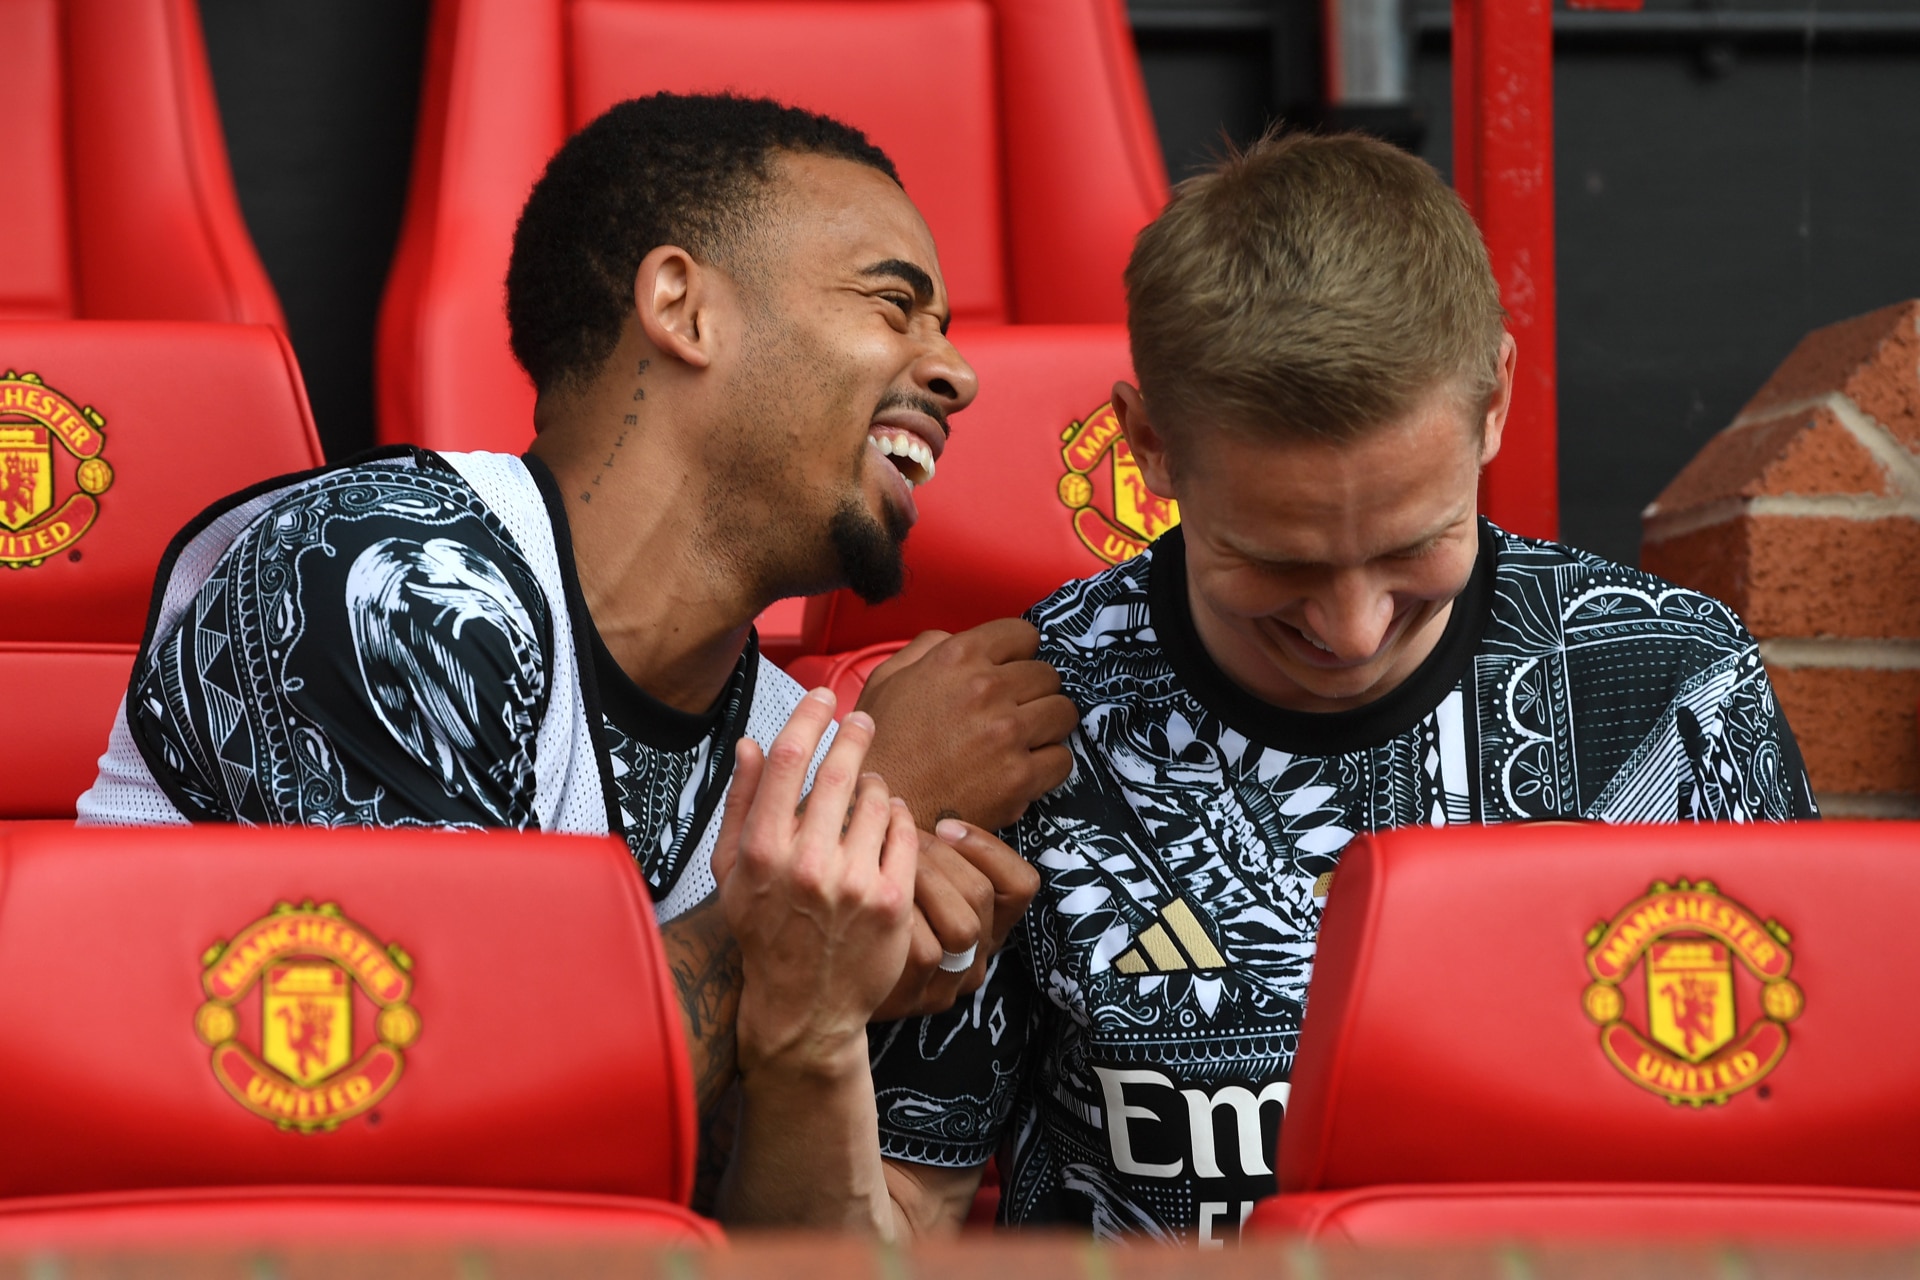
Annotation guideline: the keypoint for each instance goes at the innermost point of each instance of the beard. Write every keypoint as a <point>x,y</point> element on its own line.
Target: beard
<point>868,550</point>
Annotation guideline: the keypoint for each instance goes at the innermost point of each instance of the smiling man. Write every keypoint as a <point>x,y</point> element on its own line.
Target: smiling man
<point>736,324</point>
<point>1332,642</point>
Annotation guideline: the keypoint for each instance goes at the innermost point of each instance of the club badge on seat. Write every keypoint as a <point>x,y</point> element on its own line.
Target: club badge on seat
<point>35,522</point>
<point>1704,956</point>
<point>293,1057</point>
<point>1114,513</point>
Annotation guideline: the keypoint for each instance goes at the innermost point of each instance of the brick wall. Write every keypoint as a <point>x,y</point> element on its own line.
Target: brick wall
<point>1804,515</point>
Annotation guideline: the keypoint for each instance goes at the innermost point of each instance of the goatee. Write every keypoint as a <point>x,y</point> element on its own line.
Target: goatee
<point>869,551</point>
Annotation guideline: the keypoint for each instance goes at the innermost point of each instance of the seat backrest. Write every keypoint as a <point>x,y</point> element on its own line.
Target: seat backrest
<point>1036,487</point>
<point>113,434</point>
<point>1694,1003</point>
<point>225,1006</point>
<point>1020,128</point>
<point>126,208</point>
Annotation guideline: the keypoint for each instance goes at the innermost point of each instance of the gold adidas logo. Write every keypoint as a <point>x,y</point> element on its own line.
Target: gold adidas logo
<point>1173,942</point>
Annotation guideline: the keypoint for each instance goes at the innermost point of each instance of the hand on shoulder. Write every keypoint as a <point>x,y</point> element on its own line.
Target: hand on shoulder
<point>970,725</point>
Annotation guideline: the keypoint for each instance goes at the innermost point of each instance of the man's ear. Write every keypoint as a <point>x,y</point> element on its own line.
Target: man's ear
<point>1148,445</point>
<point>1493,429</point>
<point>673,295</point>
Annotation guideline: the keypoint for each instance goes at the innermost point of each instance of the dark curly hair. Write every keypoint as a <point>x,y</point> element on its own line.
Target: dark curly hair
<point>687,170</point>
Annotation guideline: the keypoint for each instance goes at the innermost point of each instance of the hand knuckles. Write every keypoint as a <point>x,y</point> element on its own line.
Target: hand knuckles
<point>924,951</point>
<point>786,753</point>
<point>1024,880</point>
<point>832,777</point>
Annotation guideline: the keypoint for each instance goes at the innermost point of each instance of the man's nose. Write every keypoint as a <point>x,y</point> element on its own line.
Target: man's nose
<point>1350,615</point>
<point>947,376</point>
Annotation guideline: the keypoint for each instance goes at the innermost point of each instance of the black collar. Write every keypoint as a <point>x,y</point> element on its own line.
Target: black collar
<point>633,710</point>
<point>1308,732</point>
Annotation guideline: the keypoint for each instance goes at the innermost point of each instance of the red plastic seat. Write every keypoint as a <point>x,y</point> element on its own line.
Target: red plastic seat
<point>129,212</point>
<point>1020,127</point>
<point>235,1034</point>
<point>1610,1033</point>
<point>182,415</point>
<point>997,528</point>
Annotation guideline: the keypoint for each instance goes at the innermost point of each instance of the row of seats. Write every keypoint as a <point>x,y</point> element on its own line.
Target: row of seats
<point>185,414</point>
<point>1020,128</point>
<point>1034,181</point>
<point>271,1034</point>
<point>1533,1032</point>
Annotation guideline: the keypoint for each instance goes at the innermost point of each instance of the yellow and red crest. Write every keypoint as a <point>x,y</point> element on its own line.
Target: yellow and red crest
<point>1701,951</point>
<point>35,521</point>
<point>1114,513</point>
<point>305,1067</point>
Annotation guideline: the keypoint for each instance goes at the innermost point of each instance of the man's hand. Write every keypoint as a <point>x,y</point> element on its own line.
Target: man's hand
<point>820,901</point>
<point>970,725</point>
<point>970,891</point>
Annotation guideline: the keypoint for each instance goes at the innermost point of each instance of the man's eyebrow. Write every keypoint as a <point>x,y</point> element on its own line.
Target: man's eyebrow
<point>913,277</point>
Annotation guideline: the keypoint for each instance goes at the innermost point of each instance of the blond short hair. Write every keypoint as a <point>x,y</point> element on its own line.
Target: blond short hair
<point>1311,286</point>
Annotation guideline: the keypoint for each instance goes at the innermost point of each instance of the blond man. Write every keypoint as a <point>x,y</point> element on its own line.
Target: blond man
<point>1333,642</point>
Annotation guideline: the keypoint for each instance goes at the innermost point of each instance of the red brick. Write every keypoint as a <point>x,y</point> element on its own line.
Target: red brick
<point>1804,575</point>
<point>1801,453</point>
<point>1712,560</point>
<point>1874,359</point>
<point>1856,728</point>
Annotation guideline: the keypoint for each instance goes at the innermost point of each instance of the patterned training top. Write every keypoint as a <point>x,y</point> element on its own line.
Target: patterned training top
<point>384,644</point>
<point>1133,1042</point>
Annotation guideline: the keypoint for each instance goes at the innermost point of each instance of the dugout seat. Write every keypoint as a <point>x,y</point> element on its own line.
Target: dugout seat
<point>236,1035</point>
<point>1596,1033</point>
<point>1020,127</point>
<point>113,434</point>
<point>122,207</point>
<point>1036,487</point>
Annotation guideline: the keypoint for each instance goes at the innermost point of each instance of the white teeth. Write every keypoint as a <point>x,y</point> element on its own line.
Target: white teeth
<point>912,448</point>
<point>1316,644</point>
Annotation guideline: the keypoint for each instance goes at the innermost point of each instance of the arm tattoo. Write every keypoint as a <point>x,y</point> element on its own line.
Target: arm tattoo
<point>717,1130</point>
<point>705,961</point>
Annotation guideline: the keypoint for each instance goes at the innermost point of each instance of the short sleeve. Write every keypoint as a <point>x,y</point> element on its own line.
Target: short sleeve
<point>372,651</point>
<point>1743,763</point>
<point>946,1085</point>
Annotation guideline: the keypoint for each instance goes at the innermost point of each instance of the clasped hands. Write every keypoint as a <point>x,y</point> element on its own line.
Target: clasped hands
<point>843,904</point>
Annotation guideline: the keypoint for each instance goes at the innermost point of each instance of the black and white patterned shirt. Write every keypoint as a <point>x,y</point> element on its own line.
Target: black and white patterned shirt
<point>1132,1045</point>
<point>371,645</point>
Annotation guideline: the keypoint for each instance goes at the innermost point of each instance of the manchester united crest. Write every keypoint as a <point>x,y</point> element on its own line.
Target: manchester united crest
<point>1717,998</point>
<point>51,470</point>
<point>1114,513</point>
<point>323,1042</point>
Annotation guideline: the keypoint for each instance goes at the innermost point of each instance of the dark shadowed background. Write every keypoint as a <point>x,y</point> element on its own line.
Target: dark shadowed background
<point>1729,174</point>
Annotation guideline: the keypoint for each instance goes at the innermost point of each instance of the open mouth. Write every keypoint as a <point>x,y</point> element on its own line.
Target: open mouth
<point>909,454</point>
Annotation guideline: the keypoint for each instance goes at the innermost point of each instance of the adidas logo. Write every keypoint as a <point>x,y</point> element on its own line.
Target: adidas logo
<point>1173,942</point>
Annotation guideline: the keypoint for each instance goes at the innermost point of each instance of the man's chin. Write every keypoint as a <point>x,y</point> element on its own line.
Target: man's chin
<point>1337,688</point>
<point>869,552</point>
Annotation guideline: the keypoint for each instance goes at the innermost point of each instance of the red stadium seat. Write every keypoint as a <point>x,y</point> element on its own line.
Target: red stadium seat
<point>1688,1032</point>
<point>112,436</point>
<point>125,209</point>
<point>241,1034</point>
<point>1020,128</point>
<point>1036,487</point>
